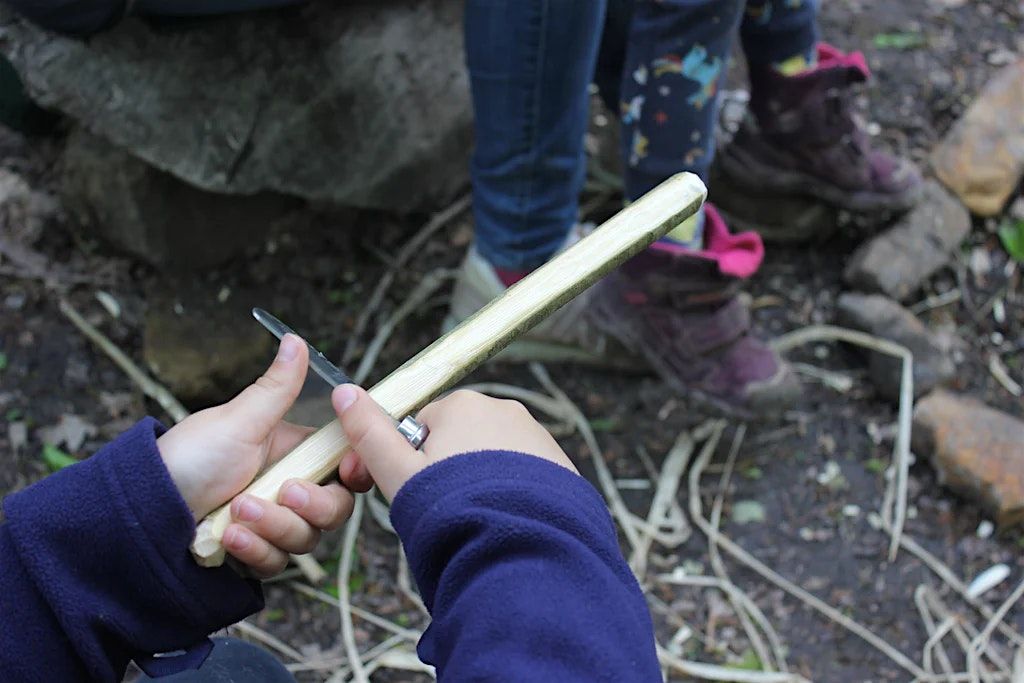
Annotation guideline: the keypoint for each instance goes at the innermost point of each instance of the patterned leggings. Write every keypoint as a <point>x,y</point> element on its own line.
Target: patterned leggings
<point>663,65</point>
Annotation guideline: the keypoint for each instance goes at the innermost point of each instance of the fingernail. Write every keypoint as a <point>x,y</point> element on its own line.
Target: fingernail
<point>289,349</point>
<point>237,539</point>
<point>344,396</point>
<point>294,496</point>
<point>248,510</point>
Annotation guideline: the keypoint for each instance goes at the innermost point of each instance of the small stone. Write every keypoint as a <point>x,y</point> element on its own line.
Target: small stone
<point>209,351</point>
<point>748,512</point>
<point>985,529</point>
<point>883,317</point>
<point>982,157</point>
<point>898,260</point>
<point>976,451</point>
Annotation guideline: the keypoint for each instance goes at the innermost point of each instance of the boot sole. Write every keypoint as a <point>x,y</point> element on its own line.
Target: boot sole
<point>744,169</point>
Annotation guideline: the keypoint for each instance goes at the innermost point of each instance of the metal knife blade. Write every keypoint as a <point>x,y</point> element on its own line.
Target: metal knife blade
<point>318,361</point>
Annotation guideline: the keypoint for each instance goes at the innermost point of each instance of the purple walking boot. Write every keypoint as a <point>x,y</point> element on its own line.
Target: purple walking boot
<point>805,139</point>
<point>680,309</point>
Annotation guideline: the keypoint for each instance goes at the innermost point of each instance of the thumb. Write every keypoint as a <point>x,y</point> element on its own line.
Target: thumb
<point>373,436</point>
<point>262,404</point>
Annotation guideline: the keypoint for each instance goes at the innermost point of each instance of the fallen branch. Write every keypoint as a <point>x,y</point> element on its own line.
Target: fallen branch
<point>604,476</point>
<point>309,567</point>
<point>668,484</point>
<point>258,634</point>
<point>1001,375</point>
<point>149,387</point>
<point>778,653</point>
<point>430,283</point>
<point>785,584</point>
<point>410,249</point>
<point>981,640</point>
<point>344,597</point>
<point>713,672</point>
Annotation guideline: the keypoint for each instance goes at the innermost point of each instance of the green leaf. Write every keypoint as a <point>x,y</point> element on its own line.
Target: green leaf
<point>13,414</point>
<point>604,424</point>
<point>356,582</point>
<point>749,662</point>
<point>753,472</point>
<point>273,614</point>
<point>56,459</point>
<point>332,590</point>
<point>402,619</point>
<point>899,41</point>
<point>3,361</point>
<point>876,465</point>
<point>1011,233</point>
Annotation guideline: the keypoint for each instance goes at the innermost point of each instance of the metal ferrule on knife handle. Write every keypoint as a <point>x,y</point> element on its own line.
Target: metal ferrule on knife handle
<point>442,364</point>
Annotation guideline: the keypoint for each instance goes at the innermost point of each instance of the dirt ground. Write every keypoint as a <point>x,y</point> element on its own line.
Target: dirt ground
<point>817,472</point>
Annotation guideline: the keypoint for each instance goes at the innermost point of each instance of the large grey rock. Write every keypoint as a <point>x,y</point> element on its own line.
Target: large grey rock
<point>156,217</point>
<point>897,261</point>
<point>883,317</point>
<point>362,104</point>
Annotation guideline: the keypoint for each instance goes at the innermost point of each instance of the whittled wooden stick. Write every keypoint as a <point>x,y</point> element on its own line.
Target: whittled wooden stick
<point>492,328</point>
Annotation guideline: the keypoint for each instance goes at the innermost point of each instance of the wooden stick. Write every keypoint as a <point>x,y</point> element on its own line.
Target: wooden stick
<point>492,328</point>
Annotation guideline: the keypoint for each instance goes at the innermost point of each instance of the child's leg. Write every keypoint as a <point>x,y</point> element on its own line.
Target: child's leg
<point>806,139</point>
<point>676,59</point>
<point>530,62</point>
<point>782,33</point>
<point>677,56</point>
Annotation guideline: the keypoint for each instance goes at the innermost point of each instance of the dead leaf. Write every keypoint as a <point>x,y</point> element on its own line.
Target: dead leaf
<point>71,431</point>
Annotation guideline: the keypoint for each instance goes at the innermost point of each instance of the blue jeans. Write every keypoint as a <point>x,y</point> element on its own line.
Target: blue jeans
<point>530,62</point>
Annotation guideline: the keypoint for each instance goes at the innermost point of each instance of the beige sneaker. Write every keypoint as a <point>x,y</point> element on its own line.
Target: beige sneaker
<point>565,336</point>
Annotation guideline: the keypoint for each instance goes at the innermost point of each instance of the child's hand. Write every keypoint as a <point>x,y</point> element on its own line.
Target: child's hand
<point>461,422</point>
<point>214,454</point>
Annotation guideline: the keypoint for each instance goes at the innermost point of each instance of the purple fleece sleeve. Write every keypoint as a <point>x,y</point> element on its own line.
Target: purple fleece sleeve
<point>517,560</point>
<point>95,569</point>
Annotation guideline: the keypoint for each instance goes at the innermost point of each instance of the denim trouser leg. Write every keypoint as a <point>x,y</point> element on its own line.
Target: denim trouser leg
<point>775,30</point>
<point>530,64</point>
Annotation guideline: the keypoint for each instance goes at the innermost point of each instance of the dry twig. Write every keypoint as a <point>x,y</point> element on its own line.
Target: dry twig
<point>149,386</point>
<point>344,598</point>
<point>410,249</point>
<point>785,584</point>
<point>901,448</point>
<point>430,283</point>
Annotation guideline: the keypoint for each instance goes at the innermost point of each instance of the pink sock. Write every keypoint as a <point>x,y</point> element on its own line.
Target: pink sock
<point>510,277</point>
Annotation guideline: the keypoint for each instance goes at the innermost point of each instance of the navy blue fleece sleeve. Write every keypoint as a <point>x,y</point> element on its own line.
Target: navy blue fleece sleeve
<point>517,560</point>
<point>95,569</point>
